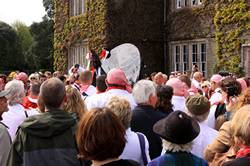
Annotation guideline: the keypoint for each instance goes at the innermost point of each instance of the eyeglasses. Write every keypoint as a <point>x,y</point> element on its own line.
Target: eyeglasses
<point>205,86</point>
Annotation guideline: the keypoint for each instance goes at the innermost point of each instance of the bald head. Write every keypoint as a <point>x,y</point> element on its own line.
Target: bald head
<point>177,85</point>
<point>198,76</point>
<point>52,93</point>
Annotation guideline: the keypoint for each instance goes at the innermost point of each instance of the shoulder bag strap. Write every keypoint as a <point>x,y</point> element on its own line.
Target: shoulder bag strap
<point>142,145</point>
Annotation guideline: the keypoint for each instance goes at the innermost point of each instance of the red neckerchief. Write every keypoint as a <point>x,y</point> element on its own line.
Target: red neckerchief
<point>114,87</point>
<point>243,152</point>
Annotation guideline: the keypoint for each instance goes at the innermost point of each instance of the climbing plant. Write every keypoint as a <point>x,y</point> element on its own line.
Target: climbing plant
<point>232,22</point>
<point>89,26</point>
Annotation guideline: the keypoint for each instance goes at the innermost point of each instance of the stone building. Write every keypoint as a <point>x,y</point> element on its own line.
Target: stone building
<point>171,35</point>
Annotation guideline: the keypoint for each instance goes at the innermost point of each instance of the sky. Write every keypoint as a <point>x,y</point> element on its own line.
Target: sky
<point>27,11</point>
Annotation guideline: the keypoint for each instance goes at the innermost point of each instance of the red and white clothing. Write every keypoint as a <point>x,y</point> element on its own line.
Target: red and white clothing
<point>30,103</point>
<point>100,100</point>
<point>14,117</point>
<point>89,90</point>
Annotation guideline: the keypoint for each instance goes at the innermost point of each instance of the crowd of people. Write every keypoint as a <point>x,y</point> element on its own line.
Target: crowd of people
<point>78,120</point>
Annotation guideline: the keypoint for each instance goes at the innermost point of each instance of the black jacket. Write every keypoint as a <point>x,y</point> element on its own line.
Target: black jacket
<point>143,119</point>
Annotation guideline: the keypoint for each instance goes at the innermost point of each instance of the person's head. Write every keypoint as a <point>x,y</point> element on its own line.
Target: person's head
<point>244,98</point>
<point>57,74</point>
<point>164,95</point>
<point>33,77</point>
<point>152,76</point>
<point>144,92</point>
<point>22,77</point>
<point>186,80</point>
<point>42,78</point>
<point>198,107</point>
<point>48,74</point>
<point>16,92</point>
<point>158,79</point>
<point>100,135</point>
<point>178,86</point>
<point>74,101</point>
<point>198,76</point>
<point>243,84</point>
<point>121,108</point>
<point>86,77</point>
<point>77,66</point>
<point>117,78</point>
<point>230,87</point>
<point>215,81</point>
<point>240,126</point>
<point>100,83</point>
<point>205,86</point>
<point>178,130</point>
<point>52,93</point>
<point>35,88</point>
<point>3,102</point>
<point>165,79</point>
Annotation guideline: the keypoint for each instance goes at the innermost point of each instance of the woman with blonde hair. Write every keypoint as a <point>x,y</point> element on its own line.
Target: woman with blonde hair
<point>75,104</point>
<point>223,142</point>
<point>240,126</point>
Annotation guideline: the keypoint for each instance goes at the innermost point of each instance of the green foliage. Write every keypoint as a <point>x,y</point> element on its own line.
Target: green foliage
<point>232,20</point>
<point>26,40</point>
<point>89,26</point>
<point>49,7</point>
<point>42,47</point>
<point>11,57</point>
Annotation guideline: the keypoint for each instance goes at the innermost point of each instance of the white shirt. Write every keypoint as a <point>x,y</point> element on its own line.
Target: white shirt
<point>100,100</point>
<point>205,137</point>
<point>14,117</point>
<point>196,84</point>
<point>132,148</point>
<point>216,96</point>
<point>179,103</point>
<point>211,117</point>
<point>91,90</point>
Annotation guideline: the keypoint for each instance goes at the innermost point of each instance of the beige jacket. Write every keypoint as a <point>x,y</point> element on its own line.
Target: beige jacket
<point>221,144</point>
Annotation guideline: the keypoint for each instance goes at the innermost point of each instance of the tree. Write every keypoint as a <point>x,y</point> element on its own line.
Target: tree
<point>49,7</point>
<point>42,47</point>
<point>10,49</point>
<point>26,41</point>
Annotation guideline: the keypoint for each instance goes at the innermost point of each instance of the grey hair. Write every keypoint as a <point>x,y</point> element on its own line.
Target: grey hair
<point>172,147</point>
<point>142,91</point>
<point>16,92</point>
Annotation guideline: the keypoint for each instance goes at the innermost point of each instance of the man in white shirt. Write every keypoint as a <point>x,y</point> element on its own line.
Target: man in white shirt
<point>198,107</point>
<point>178,99</point>
<point>117,86</point>
<point>86,79</point>
<point>197,78</point>
<point>216,96</point>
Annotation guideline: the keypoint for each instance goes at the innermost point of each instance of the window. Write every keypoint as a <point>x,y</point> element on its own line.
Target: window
<point>187,54</point>
<point>194,54</point>
<point>185,58</point>
<point>177,58</point>
<point>194,2</point>
<point>77,55</point>
<point>178,4</point>
<point>203,58</point>
<point>77,7</point>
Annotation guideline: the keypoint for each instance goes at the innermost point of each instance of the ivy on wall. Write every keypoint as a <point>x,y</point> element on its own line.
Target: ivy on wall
<point>89,26</point>
<point>232,21</point>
